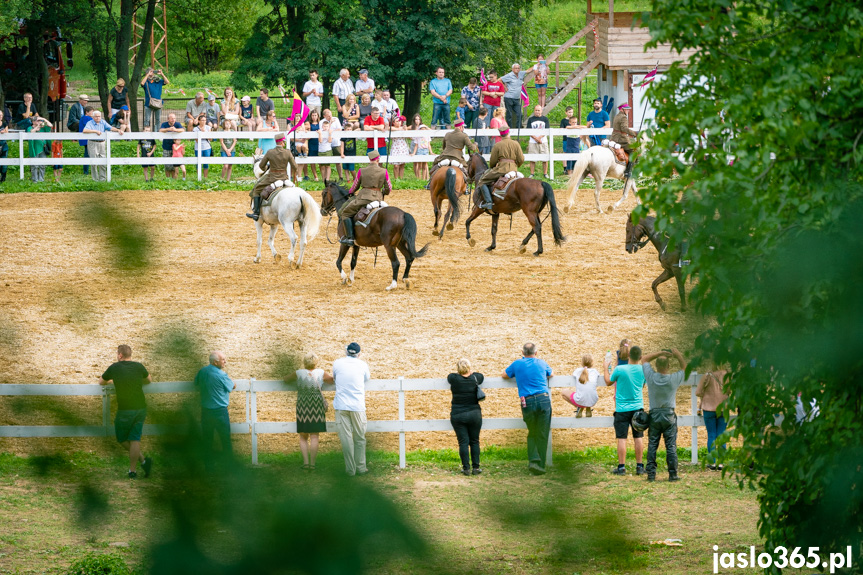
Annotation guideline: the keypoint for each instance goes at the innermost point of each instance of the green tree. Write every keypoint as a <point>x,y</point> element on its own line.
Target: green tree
<point>778,86</point>
<point>209,37</point>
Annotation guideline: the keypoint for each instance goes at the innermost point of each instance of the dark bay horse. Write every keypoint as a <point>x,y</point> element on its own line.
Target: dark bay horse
<point>525,194</point>
<point>670,259</point>
<point>447,184</point>
<point>390,227</point>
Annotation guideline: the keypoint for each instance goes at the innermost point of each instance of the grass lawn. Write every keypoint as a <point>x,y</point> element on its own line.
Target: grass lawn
<point>426,519</point>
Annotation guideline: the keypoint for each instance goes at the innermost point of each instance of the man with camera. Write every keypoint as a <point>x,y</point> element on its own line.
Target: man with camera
<point>153,83</point>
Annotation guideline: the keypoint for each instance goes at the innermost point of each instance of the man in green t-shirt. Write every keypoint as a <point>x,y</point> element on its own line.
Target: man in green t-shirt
<point>128,378</point>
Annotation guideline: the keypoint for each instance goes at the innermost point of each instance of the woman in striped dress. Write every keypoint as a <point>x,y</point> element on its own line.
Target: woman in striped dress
<point>311,409</point>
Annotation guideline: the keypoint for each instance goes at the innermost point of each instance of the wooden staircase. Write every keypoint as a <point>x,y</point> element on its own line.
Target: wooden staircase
<point>573,81</point>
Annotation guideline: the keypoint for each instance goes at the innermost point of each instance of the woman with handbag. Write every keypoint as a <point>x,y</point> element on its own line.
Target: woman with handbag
<point>466,414</point>
<point>153,83</point>
<point>311,409</point>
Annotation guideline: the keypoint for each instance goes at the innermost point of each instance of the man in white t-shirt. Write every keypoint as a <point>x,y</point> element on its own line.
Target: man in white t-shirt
<point>313,91</point>
<point>364,85</point>
<point>392,106</point>
<point>350,375</point>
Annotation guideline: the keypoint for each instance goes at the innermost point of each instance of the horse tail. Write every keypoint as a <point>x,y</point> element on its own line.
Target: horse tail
<point>548,195</point>
<point>451,194</point>
<point>312,215</point>
<point>409,237</point>
<point>581,165</point>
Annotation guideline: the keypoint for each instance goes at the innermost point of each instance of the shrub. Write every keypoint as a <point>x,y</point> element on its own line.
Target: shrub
<point>99,564</point>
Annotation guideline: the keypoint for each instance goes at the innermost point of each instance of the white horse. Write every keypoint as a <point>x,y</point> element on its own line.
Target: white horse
<point>291,204</point>
<point>598,162</point>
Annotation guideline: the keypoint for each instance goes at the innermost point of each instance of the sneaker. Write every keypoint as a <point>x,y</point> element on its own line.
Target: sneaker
<point>673,477</point>
<point>651,478</point>
<point>712,467</point>
<point>465,471</point>
<point>535,469</point>
<point>362,472</point>
<point>133,475</point>
<point>545,175</point>
<point>589,412</point>
<point>147,466</point>
<point>618,471</point>
<point>639,469</point>
<point>476,471</point>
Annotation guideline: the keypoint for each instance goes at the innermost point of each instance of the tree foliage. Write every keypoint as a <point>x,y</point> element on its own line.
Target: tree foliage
<point>778,86</point>
<point>207,37</point>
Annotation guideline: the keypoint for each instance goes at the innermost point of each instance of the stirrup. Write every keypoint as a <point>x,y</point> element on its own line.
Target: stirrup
<point>346,240</point>
<point>254,216</point>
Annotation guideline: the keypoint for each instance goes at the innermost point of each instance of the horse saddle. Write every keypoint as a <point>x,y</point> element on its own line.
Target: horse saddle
<point>365,214</point>
<point>502,184</point>
<point>447,163</point>
<point>270,192</point>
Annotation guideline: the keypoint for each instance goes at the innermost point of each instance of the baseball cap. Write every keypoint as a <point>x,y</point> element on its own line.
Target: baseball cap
<point>83,97</point>
<point>245,98</point>
<point>212,98</point>
<point>353,348</point>
<point>124,107</point>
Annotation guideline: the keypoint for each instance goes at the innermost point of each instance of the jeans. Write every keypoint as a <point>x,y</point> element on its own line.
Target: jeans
<point>537,415</point>
<point>152,117</point>
<point>440,115</point>
<point>86,155</point>
<point>663,423</point>
<point>513,112</point>
<point>4,153</point>
<point>596,140</point>
<point>206,154</point>
<point>215,421</point>
<point>491,110</point>
<point>467,425</point>
<point>470,117</point>
<point>715,427</point>
<point>571,146</point>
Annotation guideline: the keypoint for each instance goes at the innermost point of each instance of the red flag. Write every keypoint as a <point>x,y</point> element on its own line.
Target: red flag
<point>525,99</point>
<point>650,77</point>
<point>483,82</point>
<point>299,109</point>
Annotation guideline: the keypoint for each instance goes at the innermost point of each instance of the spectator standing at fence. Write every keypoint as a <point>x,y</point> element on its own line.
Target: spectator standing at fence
<point>311,409</point>
<point>350,375</point>
<point>76,112</point>
<point>564,124</point>
<point>146,149</point>
<point>264,105</point>
<point>171,126</point>
<point>153,83</point>
<point>215,387</point>
<point>512,97</point>
<point>364,85</point>
<point>314,144</point>
<point>4,146</point>
<point>399,147</point>
<point>492,92</point>
<point>497,123</point>
<point>540,79</point>
<point>598,118</point>
<point>81,125</point>
<point>466,415</point>
<point>96,147</point>
<point>178,150</point>
<point>26,111</point>
<point>335,140</point>
<point>313,91</point>
<point>481,123</point>
<point>194,108</point>
<point>379,103</point>
<point>392,107</point>
<point>584,395</point>
<point>365,109</point>
<point>375,123</point>
<point>349,148</point>
<point>538,144</point>
<point>460,110</point>
<point>662,393</point>
<point>128,378</point>
<point>342,88</point>
<point>571,144</point>
<point>118,97</point>
<point>471,93</point>
<point>325,147</point>
<point>228,147</point>
<point>441,89</point>
<point>206,148</point>
<point>628,400</point>
<point>270,124</point>
<point>247,113</point>
<point>531,377</point>
<point>38,148</point>
<point>710,390</point>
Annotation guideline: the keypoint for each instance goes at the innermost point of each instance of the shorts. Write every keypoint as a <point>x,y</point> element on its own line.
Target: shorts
<point>129,424</point>
<point>538,86</point>
<point>422,151</point>
<point>226,155</point>
<point>534,148</point>
<point>572,398</point>
<point>168,154</point>
<point>622,423</point>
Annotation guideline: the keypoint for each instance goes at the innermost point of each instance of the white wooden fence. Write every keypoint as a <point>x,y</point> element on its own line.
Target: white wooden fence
<point>198,160</point>
<point>251,387</point>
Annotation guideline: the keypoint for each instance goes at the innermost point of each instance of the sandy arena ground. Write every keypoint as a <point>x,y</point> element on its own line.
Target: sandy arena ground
<point>64,308</point>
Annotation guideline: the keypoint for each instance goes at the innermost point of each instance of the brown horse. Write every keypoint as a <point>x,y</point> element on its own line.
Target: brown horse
<point>525,194</point>
<point>390,227</point>
<point>670,259</point>
<point>447,184</point>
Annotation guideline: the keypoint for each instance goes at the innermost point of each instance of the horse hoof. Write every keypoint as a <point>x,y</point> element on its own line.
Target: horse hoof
<point>537,253</point>
<point>450,227</point>
<point>256,260</point>
<point>566,209</point>
<point>435,232</point>
<point>471,242</point>
<point>349,282</point>
<point>408,283</point>
<point>522,249</point>
<point>294,266</point>
<point>489,248</point>
<point>277,257</point>
<point>609,209</point>
<point>392,286</point>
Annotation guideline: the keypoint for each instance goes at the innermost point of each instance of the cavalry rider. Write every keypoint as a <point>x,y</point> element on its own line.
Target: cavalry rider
<point>506,156</point>
<point>453,144</point>
<point>375,183</point>
<point>623,134</point>
<point>277,160</point>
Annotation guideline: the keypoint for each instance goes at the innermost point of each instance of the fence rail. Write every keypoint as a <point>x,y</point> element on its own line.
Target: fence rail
<point>199,160</point>
<point>251,426</point>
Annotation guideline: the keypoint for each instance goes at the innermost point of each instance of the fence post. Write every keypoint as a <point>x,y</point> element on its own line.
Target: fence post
<point>694,422</point>
<point>21,154</point>
<point>198,153</point>
<point>108,153</point>
<point>106,411</point>
<point>253,419</point>
<point>402,449</point>
<point>550,152</point>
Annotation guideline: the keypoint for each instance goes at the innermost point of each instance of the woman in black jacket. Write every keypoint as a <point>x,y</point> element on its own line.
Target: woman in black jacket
<point>466,415</point>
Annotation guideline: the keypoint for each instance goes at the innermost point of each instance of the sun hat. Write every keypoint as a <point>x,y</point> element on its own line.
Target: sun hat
<point>245,99</point>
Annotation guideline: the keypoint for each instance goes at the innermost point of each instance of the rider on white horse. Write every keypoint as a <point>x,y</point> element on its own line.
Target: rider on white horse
<point>276,160</point>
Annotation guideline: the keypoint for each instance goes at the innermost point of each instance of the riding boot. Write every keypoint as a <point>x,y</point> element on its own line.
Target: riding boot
<point>256,208</point>
<point>486,198</point>
<point>431,175</point>
<point>627,172</point>
<point>349,232</point>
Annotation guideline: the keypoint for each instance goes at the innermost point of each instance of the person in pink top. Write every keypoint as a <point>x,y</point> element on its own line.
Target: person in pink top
<point>497,122</point>
<point>492,92</point>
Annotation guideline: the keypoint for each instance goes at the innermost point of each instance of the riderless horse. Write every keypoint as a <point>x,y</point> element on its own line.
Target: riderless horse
<point>447,184</point>
<point>670,259</point>
<point>525,194</point>
<point>291,204</point>
<point>598,162</point>
<point>389,227</point>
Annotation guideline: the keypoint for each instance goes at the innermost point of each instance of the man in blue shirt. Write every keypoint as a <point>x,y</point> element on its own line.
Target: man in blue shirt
<point>598,119</point>
<point>215,387</point>
<point>153,83</point>
<point>440,89</point>
<point>531,377</point>
<point>628,400</point>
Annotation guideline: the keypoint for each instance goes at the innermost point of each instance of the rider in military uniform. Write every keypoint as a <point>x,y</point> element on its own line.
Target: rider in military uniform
<point>623,134</point>
<point>277,161</point>
<point>375,183</point>
<point>453,144</point>
<point>506,156</point>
